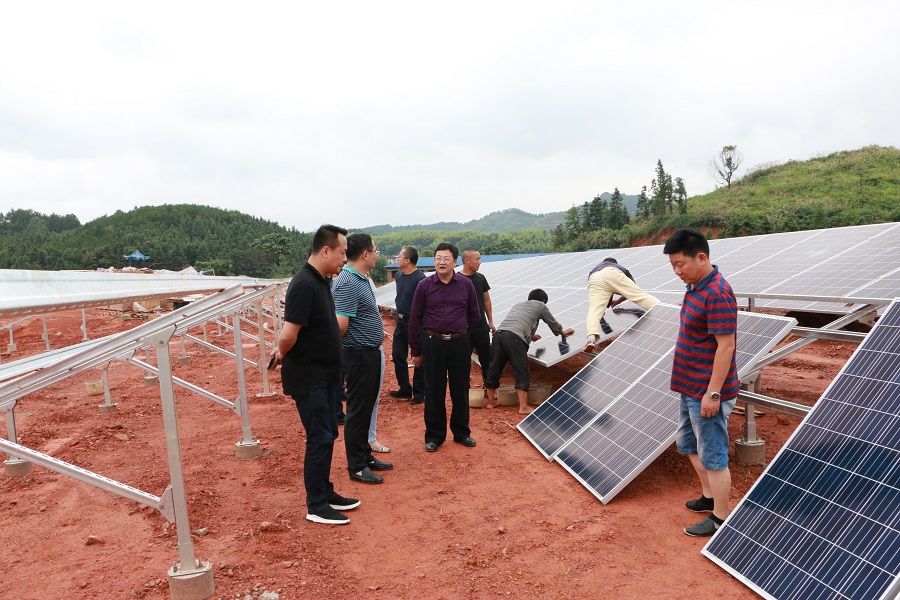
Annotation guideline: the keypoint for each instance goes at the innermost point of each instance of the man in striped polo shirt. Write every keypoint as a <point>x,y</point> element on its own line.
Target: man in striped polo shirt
<point>362,333</point>
<point>705,373</point>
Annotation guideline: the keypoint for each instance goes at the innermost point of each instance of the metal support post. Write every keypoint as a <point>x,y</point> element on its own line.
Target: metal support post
<point>247,447</point>
<point>108,405</point>
<point>184,359</point>
<point>13,466</point>
<point>148,378</point>
<point>750,449</point>
<point>12,343</point>
<point>45,336</point>
<point>189,573</point>
<point>84,336</point>
<point>263,353</point>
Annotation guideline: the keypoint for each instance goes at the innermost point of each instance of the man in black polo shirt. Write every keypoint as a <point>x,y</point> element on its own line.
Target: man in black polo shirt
<point>310,350</point>
<point>406,280</point>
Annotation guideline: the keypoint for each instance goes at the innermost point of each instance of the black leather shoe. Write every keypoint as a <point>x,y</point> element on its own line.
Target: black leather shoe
<point>431,446</point>
<point>367,476</point>
<point>417,400</point>
<point>467,442</point>
<point>377,465</point>
<point>400,394</point>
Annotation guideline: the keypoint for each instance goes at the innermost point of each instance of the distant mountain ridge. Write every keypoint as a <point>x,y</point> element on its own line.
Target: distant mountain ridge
<point>502,221</point>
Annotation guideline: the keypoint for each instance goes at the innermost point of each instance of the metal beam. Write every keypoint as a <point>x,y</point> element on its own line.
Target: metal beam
<point>776,404</point>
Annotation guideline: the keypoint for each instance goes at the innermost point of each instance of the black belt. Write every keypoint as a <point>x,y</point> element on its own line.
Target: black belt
<point>444,336</point>
<point>362,347</point>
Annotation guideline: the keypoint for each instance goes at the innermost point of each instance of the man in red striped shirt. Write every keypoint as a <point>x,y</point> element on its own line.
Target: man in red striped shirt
<point>705,373</point>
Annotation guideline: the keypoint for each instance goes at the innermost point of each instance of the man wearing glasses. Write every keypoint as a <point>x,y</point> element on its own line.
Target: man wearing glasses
<point>444,308</point>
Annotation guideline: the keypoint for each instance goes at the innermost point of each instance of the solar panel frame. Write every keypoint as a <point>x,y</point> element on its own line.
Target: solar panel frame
<point>822,521</point>
<point>634,429</point>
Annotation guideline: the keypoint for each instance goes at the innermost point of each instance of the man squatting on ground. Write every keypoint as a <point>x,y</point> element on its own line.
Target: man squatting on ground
<point>309,348</point>
<point>444,308</point>
<point>510,344</point>
<point>406,280</point>
<point>705,373</point>
<point>480,335</point>
<point>362,334</point>
<point>604,280</point>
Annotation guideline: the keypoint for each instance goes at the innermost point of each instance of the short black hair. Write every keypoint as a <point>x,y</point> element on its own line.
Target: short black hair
<point>611,259</point>
<point>688,241</point>
<point>357,244</point>
<point>411,253</point>
<point>447,246</point>
<point>538,294</point>
<point>326,235</point>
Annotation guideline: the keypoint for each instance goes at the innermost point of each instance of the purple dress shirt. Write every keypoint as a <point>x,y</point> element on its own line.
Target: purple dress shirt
<point>450,307</point>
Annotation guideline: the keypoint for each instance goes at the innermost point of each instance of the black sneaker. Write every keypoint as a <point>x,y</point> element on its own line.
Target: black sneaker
<point>704,528</point>
<point>327,516</point>
<point>700,505</point>
<point>338,502</point>
<point>367,476</point>
<point>400,394</point>
<point>378,465</point>
<point>417,400</point>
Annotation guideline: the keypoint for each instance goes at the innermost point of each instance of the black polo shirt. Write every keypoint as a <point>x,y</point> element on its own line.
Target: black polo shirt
<point>315,358</point>
<point>481,286</point>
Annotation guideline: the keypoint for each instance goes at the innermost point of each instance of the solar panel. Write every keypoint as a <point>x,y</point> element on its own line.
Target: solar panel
<point>807,263</point>
<point>823,520</point>
<point>578,402</point>
<point>634,429</point>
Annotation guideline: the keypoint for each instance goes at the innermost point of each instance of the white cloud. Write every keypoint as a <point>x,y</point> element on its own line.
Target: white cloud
<point>408,112</point>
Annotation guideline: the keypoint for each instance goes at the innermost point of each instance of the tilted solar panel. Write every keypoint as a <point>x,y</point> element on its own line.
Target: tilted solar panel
<point>577,403</point>
<point>823,520</point>
<point>634,429</point>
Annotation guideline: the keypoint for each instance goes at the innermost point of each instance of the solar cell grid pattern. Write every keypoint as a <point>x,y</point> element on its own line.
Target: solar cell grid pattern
<point>823,520</point>
<point>600,382</point>
<point>633,430</point>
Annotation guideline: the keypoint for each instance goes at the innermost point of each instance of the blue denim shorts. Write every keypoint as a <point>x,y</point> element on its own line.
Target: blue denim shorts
<point>706,437</point>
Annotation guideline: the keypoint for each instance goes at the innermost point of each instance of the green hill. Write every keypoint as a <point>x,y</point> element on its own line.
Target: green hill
<point>174,236</point>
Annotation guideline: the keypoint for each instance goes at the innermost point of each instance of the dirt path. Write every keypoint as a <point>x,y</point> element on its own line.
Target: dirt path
<point>492,521</point>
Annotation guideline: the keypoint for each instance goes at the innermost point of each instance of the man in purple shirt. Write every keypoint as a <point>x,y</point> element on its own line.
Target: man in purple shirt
<point>444,308</point>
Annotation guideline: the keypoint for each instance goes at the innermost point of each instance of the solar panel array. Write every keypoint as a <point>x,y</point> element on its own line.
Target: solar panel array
<point>641,423</point>
<point>823,520</point>
<point>578,402</point>
<point>849,262</point>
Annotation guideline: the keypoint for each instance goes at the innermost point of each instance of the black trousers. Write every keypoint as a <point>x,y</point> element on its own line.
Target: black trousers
<point>508,347</point>
<point>399,351</point>
<point>446,361</point>
<point>318,412</point>
<point>480,342</point>
<point>363,367</point>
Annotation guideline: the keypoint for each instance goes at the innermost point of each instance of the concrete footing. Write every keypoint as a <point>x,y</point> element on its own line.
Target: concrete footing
<point>16,467</point>
<point>248,449</point>
<point>184,360</point>
<point>269,395</point>
<point>11,347</point>
<point>108,408</point>
<point>194,585</point>
<point>750,453</point>
<point>151,380</point>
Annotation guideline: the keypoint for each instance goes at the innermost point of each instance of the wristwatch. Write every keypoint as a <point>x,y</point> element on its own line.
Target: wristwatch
<point>714,395</point>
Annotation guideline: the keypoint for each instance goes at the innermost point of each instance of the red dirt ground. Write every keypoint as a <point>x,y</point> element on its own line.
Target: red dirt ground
<point>492,521</point>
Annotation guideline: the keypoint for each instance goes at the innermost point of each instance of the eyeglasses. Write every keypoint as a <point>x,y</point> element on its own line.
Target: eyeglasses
<point>443,259</point>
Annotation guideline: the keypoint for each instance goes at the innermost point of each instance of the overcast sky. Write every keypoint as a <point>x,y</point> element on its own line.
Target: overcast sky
<point>363,113</point>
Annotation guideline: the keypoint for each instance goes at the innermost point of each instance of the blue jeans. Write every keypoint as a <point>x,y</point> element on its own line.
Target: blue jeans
<point>706,437</point>
<point>318,413</point>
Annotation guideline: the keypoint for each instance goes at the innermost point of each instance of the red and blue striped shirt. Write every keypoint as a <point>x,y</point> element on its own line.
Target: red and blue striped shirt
<point>709,309</point>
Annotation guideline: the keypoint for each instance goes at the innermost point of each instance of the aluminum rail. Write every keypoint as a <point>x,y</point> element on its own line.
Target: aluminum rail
<point>112,347</point>
<point>104,483</point>
<point>776,404</point>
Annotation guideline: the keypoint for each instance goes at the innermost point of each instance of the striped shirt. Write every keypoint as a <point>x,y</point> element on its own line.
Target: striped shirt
<point>709,308</point>
<point>354,297</point>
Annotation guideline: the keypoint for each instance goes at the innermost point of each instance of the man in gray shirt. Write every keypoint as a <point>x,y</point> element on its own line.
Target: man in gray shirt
<point>510,344</point>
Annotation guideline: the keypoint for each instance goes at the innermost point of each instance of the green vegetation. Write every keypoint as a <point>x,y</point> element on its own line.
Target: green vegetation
<point>845,188</point>
<point>174,236</point>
